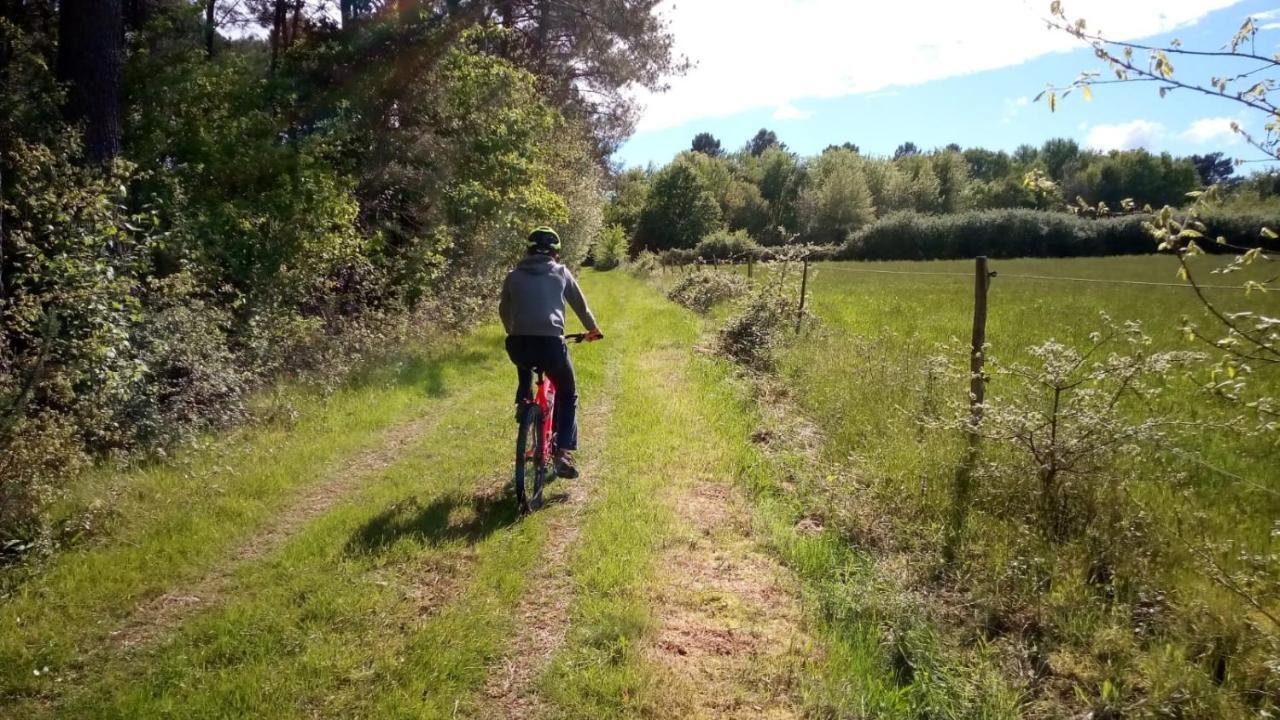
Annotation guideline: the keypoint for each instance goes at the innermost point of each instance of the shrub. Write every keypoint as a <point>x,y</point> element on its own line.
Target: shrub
<point>644,265</point>
<point>997,233</point>
<point>611,248</point>
<point>701,291</point>
<point>677,257</point>
<point>724,245</point>
<point>192,380</point>
<point>1027,233</point>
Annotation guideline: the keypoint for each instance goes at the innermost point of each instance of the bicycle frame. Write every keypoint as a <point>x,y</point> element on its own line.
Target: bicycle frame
<point>544,396</point>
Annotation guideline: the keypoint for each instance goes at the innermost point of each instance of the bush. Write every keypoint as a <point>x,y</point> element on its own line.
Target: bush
<point>644,265</point>
<point>1027,233</point>
<point>1242,229</point>
<point>701,291</point>
<point>192,380</point>
<point>723,245</point>
<point>677,258</point>
<point>719,251</point>
<point>611,248</point>
<point>997,233</point>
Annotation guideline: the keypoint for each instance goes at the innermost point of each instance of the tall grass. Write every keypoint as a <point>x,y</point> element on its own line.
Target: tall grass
<point>1152,631</point>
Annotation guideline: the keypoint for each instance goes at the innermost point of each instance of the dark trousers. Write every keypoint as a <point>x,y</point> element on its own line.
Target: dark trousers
<point>551,355</point>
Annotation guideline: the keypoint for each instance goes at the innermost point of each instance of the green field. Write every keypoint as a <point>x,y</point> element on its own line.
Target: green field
<point>1153,634</point>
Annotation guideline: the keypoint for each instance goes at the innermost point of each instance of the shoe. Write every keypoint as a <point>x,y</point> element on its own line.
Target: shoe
<point>564,465</point>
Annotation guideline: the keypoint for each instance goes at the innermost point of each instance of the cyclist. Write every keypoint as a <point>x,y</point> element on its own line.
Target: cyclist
<point>532,310</point>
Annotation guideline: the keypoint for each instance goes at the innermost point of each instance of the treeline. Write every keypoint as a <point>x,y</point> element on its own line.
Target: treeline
<point>775,196</point>
<point>197,196</point>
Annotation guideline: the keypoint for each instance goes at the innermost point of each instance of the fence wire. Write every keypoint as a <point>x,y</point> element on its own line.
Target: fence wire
<point>1020,276</point>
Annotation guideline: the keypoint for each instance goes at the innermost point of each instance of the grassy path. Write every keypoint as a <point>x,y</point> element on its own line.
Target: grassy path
<point>367,561</point>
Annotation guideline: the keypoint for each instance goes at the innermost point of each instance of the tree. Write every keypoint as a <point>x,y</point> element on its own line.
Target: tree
<point>589,52</point>
<point>922,185</point>
<point>835,200</point>
<point>987,165</point>
<point>1136,175</point>
<point>953,180</point>
<point>843,146</point>
<point>780,175</point>
<point>1056,154</point>
<point>1214,168</point>
<point>745,209</point>
<point>707,144</point>
<point>627,199</point>
<point>1026,156</point>
<point>91,63</point>
<point>906,149</point>
<point>890,189</point>
<point>953,147</point>
<point>679,211</point>
<point>210,25</point>
<point>763,140</point>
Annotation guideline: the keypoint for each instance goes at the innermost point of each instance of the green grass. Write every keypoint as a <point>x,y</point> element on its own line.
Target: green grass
<point>862,376</point>
<point>398,600</point>
<point>391,603</point>
<point>653,447</point>
<point>168,523</point>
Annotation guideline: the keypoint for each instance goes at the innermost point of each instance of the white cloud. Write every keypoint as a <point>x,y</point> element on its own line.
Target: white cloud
<point>1211,130</point>
<point>1012,107</point>
<point>1270,26</point>
<point>1125,136</point>
<point>753,54</point>
<point>1267,15</point>
<point>791,112</point>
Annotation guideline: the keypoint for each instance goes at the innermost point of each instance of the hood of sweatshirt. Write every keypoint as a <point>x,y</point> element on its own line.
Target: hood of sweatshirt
<point>537,264</point>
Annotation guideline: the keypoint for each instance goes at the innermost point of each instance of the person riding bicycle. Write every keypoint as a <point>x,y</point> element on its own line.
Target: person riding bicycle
<point>532,311</point>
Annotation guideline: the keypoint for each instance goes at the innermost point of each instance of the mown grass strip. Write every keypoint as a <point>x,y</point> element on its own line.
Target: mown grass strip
<point>653,444</point>
<point>172,521</point>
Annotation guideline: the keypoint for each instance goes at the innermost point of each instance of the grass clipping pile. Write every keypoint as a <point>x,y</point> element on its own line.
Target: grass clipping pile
<point>702,291</point>
<point>752,335</point>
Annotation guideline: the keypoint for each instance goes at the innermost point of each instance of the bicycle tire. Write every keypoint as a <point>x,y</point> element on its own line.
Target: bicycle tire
<point>531,463</point>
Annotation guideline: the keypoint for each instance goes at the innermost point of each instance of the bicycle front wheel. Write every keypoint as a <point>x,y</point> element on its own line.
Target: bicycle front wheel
<point>531,461</point>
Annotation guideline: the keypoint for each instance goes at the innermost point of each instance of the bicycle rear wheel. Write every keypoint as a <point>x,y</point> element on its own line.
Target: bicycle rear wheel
<point>531,462</point>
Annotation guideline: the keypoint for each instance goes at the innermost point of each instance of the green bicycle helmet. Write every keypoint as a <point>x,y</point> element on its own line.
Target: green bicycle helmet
<point>544,238</point>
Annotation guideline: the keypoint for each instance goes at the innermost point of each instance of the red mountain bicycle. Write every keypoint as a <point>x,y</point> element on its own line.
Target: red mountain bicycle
<point>536,441</point>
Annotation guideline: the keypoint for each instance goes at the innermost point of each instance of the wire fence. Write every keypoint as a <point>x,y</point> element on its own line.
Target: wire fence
<point>1019,276</point>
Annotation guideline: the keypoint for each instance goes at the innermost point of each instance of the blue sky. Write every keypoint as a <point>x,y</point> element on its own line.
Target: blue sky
<point>882,87</point>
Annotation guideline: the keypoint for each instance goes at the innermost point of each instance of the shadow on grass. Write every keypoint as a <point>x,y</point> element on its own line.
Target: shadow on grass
<point>452,518</point>
<point>427,366</point>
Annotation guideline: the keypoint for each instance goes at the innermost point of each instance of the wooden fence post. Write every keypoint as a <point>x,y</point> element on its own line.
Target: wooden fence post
<point>804,290</point>
<point>963,488</point>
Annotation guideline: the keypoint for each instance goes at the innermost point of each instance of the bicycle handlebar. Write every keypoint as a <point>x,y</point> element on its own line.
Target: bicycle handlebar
<point>579,337</point>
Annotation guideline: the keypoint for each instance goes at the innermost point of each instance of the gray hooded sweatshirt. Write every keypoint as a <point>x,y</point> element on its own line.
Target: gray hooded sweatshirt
<point>533,298</point>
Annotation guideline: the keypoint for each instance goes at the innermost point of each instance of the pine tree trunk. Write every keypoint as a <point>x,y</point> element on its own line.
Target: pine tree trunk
<point>91,63</point>
<point>278,27</point>
<point>210,25</point>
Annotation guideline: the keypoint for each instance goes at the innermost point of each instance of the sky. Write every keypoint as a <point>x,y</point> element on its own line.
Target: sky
<point>934,72</point>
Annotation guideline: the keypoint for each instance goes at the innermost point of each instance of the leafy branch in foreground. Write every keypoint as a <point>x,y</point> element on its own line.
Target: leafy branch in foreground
<point>1247,338</point>
<point>1073,413</point>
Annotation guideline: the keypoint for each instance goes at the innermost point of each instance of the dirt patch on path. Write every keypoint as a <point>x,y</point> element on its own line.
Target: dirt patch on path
<point>730,633</point>
<point>542,616</point>
<point>159,616</point>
